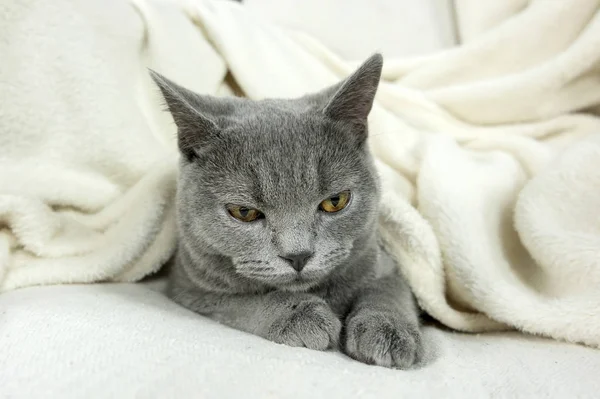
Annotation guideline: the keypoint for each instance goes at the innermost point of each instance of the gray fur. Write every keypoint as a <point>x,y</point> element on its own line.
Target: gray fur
<point>284,157</point>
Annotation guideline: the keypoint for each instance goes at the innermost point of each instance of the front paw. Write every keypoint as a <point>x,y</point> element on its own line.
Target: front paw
<point>310,322</point>
<point>384,339</point>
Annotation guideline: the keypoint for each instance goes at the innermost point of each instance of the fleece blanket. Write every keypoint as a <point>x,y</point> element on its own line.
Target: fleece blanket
<point>489,152</point>
<point>127,341</point>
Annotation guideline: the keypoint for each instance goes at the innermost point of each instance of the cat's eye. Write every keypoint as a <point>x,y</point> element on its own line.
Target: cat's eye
<point>244,214</point>
<point>336,202</point>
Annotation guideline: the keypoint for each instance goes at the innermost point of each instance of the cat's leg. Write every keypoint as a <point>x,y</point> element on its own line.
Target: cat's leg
<point>383,325</point>
<point>295,319</point>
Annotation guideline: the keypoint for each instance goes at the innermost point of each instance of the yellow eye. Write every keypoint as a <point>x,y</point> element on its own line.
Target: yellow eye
<point>335,203</point>
<point>244,214</point>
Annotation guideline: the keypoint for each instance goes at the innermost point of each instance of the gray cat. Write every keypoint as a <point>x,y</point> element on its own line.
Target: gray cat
<point>277,216</point>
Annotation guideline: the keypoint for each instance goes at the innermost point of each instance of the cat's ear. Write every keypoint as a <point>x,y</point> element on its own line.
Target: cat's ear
<point>354,97</point>
<point>194,129</point>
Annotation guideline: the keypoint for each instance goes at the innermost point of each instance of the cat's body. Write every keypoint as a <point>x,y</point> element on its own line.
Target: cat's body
<point>277,216</point>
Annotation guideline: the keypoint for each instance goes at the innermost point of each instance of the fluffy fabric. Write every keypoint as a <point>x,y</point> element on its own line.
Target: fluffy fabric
<point>505,233</point>
<point>86,180</point>
<point>126,341</point>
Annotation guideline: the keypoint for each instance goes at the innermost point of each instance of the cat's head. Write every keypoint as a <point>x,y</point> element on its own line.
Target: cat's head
<point>284,188</point>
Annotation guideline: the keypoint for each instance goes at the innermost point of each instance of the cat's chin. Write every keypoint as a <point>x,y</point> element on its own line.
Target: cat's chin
<point>299,285</point>
<point>288,280</point>
<point>295,283</point>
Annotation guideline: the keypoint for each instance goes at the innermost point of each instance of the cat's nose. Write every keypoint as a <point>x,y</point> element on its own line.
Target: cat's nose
<point>297,260</point>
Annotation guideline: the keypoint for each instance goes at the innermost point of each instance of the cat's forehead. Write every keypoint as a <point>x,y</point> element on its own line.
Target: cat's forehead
<point>273,113</point>
<point>288,126</point>
<point>268,179</point>
<point>284,156</point>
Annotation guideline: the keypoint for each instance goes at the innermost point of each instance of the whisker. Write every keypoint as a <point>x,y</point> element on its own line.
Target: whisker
<point>245,262</point>
<point>262,268</point>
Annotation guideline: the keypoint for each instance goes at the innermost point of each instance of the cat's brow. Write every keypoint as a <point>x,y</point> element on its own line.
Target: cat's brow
<point>241,199</point>
<point>256,189</point>
<point>233,194</point>
<point>330,185</point>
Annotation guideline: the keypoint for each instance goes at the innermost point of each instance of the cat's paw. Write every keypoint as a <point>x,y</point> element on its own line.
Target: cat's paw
<point>310,322</point>
<point>384,339</point>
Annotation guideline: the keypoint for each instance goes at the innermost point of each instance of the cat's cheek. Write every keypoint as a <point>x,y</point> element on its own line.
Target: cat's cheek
<point>242,238</point>
<point>348,224</point>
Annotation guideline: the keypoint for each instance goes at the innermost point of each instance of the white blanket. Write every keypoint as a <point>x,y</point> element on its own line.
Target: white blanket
<point>506,231</point>
<point>126,341</point>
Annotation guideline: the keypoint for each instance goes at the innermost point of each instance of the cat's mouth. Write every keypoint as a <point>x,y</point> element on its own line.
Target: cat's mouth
<point>293,282</point>
<point>284,277</point>
<point>304,280</point>
<point>299,283</point>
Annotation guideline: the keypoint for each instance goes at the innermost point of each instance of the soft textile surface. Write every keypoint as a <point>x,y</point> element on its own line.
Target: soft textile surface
<point>505,232</point>
<point>86,187</point>
<point>125,341</point>
<point>398,28</point>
